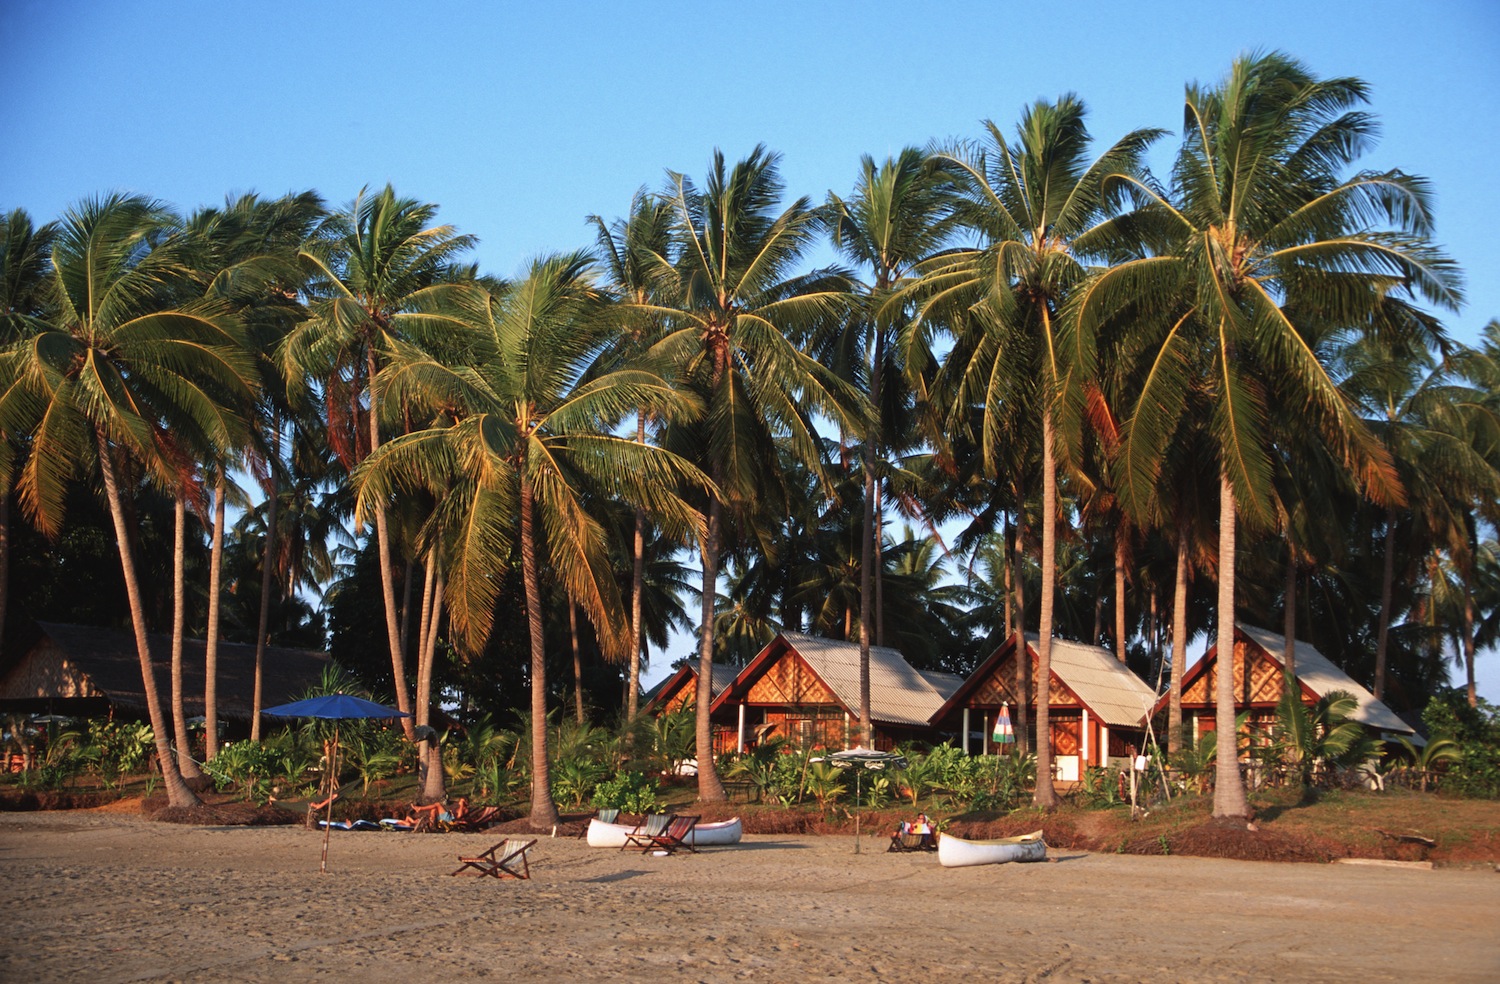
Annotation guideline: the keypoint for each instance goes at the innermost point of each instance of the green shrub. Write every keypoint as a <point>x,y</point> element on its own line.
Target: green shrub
<point>628,792</point>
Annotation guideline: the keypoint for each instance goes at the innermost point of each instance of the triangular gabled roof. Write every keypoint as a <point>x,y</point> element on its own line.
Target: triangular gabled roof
<point>899,693</point>
<point>1315,672</point>
<point>1109,689</point>
<point>685,674</point>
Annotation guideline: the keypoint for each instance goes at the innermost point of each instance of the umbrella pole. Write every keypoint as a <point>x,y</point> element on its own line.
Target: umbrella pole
<point>333,781</point>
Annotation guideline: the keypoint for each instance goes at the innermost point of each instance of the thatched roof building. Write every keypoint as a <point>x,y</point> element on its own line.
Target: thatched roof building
<point>84,671</point>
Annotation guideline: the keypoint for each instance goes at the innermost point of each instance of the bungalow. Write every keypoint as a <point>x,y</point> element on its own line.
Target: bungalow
<point>1260,680</point>
<point>1097,706</point>
<point>680,690</point>
<point>806,689</point>
<point>83,671</point>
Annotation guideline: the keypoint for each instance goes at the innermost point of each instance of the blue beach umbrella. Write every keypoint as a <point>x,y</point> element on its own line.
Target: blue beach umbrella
<point>333,707</point>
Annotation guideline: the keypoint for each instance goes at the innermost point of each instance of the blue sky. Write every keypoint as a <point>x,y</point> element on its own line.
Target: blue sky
<point>522,119</point>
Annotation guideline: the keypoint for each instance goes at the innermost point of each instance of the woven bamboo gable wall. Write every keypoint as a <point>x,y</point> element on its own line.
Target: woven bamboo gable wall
<point>1256,679</point>
<point>790,681</point>
<point>999,687</point>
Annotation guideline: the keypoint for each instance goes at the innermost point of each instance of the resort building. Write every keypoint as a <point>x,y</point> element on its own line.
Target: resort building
<point>806,689</point>
<point>680,690</point>
<point>83,671</point>
<point>1097,705</point>
<point>1260,680</point>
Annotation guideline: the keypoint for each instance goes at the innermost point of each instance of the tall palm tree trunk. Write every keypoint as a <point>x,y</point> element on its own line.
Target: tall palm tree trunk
<point>267,579</point>
<point>1122,557</point>
<point>867,562</point>
<point>1468,642</point>
<point>211,644</point>
<point>710,789</point>
<point>1023,660</point>
<point>178,793</point>
<point>637,584</point>
<point>577,662</point>
<point>387,575</point>
<point>1046,792</point>
<point>543,808</point>
<point>1289,617</point>
<point>1387,584</point>
<point>4,563</point>
<point>1229,789</point>
<point>434,782</point>
<point>185,763</point>
<point>1179,638</point>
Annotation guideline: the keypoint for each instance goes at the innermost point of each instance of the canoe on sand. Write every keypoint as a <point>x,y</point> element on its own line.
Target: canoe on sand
<point>704,834</point>
<point>955,852</point>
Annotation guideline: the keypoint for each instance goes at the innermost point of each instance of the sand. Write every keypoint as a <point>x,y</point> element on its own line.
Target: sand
<point>103,897</point>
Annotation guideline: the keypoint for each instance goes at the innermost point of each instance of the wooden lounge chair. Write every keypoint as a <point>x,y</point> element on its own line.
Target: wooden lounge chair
<point>500,861</point>
<point>641,838</point>
<point>677,836</point>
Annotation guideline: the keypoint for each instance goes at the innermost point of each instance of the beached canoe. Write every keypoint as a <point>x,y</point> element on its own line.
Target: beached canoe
<point>724,832</point>
<point>955,852</point>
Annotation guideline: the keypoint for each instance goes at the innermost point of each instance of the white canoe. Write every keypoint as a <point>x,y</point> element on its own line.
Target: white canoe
<point>724,832</point>
<point>955,852</point>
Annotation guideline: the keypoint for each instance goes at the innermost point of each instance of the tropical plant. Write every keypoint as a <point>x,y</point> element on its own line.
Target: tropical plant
<point>520,440</point>
<point>133,365</point>
<point>1036,204</point>
<point>896,217</point>
<point>734,301</point>
<point>628,792</point>
<point>1261,248</point>
<point>378,279</point>
<point>825,782</point>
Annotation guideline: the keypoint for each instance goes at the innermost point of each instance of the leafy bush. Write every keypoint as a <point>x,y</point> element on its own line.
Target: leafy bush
<point>628,792</point>
<point>118,747</point>
<point>249,767</point>
<point>574,780</point>
<point>1476,730</point>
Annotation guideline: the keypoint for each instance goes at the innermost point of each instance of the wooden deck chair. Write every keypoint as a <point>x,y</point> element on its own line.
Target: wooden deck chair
<point>500,861</point>
<point>643,837</point>
<point>678,835</point>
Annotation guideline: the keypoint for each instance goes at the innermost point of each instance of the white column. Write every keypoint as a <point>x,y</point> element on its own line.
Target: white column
<point>984,733</point>
<point>1085,756</point>
<point>966,731</point>
<point>741,747</point>
<point>1103,744</point>
<point>848,727</point>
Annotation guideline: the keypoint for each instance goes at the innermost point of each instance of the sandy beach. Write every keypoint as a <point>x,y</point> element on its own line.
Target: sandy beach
<point>108,897</point>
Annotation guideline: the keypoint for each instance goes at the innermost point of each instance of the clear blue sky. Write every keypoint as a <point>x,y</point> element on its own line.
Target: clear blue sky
<point>520,119</point>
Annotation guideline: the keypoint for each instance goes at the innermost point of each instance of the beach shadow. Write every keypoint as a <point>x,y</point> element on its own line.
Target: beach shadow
<point>760,846</point>
<point>617,876</point>
<point>1068,857</point>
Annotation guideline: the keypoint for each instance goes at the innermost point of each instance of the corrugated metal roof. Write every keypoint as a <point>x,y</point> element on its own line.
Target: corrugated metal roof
<point>1322,676</point>
<point>1110,688</point>
<point>899,693</point>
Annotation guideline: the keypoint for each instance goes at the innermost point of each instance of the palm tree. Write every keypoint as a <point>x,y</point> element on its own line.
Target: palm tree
<point>25,256</point>
<point>378,278</point>
<point>517,443</point>
<point>1259,244</point>
<point>1035,205</point>
<point>1424,413</point>
<point>896,217</point>
<point>735,300</point>
<point>637,257</point>
<point>130,353</point>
